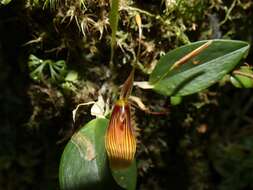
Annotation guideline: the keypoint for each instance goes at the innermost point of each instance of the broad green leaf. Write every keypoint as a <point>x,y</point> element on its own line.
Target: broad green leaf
<point>199,72</point>
<point>126,178</point>
<point>114,18</point>
<point>84,163</point>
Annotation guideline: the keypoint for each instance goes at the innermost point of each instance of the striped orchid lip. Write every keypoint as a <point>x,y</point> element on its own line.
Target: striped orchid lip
<point>120,141</point>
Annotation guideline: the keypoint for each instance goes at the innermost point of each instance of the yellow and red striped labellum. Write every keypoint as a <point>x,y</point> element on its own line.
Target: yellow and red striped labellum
<point>120,141</point>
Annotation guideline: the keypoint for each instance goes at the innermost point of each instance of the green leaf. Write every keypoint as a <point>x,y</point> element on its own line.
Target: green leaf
<point>5,2</point>
<point>41,69</point>
<point>126,178</point>
<point>113,19</point>
<point>199,72</point>
<point>72,76</point>
<point>175,100</point>
<point>241,81</point>
<point>84,163</point>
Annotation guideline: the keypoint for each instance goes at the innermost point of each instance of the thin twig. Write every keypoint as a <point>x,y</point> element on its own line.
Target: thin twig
<point>139,104</point>
<point>228,12</point>
<point>138,10</point>
<point>139,24</point>
<point>77,107</point>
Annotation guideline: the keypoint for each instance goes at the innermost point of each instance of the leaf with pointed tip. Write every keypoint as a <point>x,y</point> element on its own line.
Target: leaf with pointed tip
<point>200,72</point>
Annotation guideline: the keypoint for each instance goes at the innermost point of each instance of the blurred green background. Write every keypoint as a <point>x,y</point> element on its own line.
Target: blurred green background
<point>205,143</point>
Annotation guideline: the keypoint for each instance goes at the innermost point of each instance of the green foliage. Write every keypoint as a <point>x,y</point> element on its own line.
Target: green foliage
<point>212,65</point>
<point>46,69</point>
<point>5,2</point>
<point>241,81</point>
<point>126,178</point>
<point>84,163</point>
<point>72,76</point>
<point>175,100</point>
